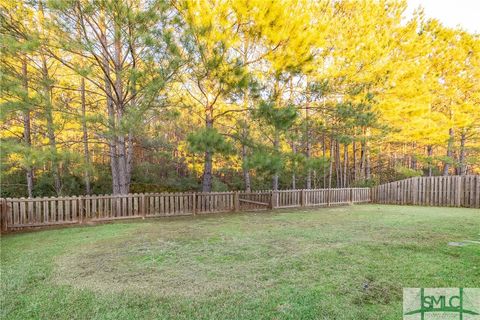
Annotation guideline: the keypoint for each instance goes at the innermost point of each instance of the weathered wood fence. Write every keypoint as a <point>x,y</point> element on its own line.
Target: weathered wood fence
<point>446,191</point>
<point>20,213</point>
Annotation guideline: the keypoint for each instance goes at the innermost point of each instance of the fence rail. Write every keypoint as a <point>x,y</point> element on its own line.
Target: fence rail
<point>20,213</point>
<point>446,191</point>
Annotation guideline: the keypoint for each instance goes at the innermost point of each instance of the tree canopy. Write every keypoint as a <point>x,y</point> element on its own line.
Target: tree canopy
<point>171,95</point>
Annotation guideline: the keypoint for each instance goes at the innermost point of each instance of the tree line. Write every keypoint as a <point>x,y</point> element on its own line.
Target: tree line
<point>127,96</point>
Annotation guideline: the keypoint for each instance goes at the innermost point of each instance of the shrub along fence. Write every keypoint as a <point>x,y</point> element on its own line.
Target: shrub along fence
<point>446,191</point>
<point>20,213</point>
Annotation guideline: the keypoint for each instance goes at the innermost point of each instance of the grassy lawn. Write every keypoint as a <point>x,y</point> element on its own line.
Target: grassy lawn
<point>326,263</point>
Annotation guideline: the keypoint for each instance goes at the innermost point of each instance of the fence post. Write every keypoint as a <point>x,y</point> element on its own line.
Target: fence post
<point>236,201</point>
<point>328,196</point>
<point>80,209</point>
<point>194,203</point>
<point>4,211</point>
<point>414,190</point>
<point>272,200</point>
<point>458,191</point>
<point>143,206</point>
<point>351,195</point>
<point>477,188</point>
<point>302,198</point>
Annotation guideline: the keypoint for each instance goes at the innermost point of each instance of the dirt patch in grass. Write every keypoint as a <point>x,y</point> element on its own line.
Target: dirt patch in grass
<point>187,266</point>
<point>203,257</point>
<point>241,254</point>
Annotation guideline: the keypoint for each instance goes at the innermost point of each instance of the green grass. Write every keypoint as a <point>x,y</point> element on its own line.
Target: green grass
<point>328,263</point>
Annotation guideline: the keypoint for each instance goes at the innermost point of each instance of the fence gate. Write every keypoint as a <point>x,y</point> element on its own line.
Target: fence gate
<point>252,201</point>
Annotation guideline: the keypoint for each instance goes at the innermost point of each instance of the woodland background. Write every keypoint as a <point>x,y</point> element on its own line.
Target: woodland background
<point>126,96</point>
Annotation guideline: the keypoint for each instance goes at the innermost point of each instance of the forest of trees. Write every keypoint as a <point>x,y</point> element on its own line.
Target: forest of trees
<point>107,96</point>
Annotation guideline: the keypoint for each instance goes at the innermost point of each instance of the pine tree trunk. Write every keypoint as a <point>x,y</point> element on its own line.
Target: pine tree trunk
<point>113,147</point>
<point>355,165</point>
<point>368,169</point>
<point>430,154</point>
<point>446,166</point>
<point>294,179</point>
<point>413,161</point>
<point>120,108</point>
<point>207,173</point>
<point>27,138</point>
<point>86,153</point>
<point>51,129</point>
<point>363,159</point>
<point>307,141</point>
<point>245,131</point>
<point>112,142</point>
<point>47,91</point>
<point>122,160</point>
<point>275,182</point>
<point>345,165</point>
<point>129,144</point>
<point>330,169</point>
<point>462,164</point>
<point>246,173</point>
<point>338,165</point>
<point>208,165</point>
<point>245,170</point>
<point>324,154</point>
<point>276,144</point>
<point>133,104</point>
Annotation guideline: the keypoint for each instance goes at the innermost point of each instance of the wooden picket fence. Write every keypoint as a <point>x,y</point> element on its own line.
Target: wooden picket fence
<point>446,191</point>
<point>21,213</point>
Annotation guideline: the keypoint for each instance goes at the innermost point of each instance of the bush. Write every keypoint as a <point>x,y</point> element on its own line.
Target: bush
<point>365,183</point>
<point>402,172</point>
